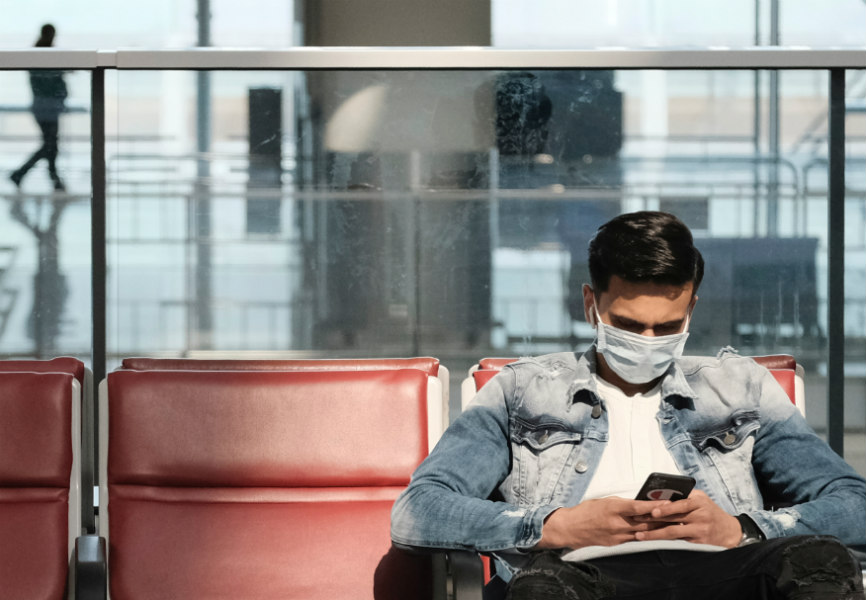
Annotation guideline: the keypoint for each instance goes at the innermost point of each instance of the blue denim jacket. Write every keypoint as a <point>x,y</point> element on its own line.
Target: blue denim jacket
<point>532,438</point>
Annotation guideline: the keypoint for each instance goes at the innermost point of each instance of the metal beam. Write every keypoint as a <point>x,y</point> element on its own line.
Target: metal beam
<point>202,309</point>
<point>347,58</point>
<point>98,274</point>
<point>836,264</point>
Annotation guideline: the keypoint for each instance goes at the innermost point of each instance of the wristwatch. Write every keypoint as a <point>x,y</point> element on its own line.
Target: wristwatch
<point>751,532</point>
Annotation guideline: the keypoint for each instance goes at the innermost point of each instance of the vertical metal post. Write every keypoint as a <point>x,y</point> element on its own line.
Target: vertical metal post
<point>99,273</point>
<point>756,128</point>
<point>415,186</point>
<point>202,202</point>
<point>836,264</point>
<point>773,126</point>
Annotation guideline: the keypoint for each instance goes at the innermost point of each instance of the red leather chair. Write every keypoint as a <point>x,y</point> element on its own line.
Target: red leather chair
<point>789,374</point>
<point>438,412</point>
<point>84,377</point>
<point>40,491</point>
<point>242,484</point>
<point>479,374</point>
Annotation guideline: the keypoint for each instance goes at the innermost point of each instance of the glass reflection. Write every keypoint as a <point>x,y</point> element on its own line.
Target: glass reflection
<point>44,227</point>
<point>409,212</point>
<point>41,217</point>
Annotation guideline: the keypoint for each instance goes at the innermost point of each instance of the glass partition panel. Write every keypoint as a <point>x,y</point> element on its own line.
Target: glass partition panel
<point>447,213</point>
<point>45,296</point>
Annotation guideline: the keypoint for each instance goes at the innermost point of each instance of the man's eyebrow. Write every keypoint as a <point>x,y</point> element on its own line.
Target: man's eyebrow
<point>627,322</point>
<point>631,322</point>
<point>673,323</point>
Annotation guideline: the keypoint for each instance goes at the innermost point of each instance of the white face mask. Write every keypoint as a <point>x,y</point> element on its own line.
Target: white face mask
<point>638,358</point>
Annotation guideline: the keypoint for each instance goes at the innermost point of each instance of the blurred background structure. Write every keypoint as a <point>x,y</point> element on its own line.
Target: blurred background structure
<point>394,212</point>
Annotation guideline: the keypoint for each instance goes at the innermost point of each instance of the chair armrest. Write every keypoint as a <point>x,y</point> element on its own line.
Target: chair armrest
<point>466,574</point>
<point>457,574</point>
<point>89,566</point>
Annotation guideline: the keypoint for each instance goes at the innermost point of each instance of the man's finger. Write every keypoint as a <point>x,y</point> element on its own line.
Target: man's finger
<point>644,507</point>
<point>676,531</point>
<point>674,518</point>
<point>636,524</point>
<point>680,507</point>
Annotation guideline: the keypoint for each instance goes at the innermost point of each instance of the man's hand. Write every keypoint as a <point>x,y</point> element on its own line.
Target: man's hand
<point>696,519</point>
<point>602,522</point>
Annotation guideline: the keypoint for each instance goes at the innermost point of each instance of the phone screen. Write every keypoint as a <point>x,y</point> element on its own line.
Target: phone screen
<point>665,486</point>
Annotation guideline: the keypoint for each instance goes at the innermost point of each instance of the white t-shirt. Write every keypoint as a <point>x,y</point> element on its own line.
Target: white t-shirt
<point>635,448</point>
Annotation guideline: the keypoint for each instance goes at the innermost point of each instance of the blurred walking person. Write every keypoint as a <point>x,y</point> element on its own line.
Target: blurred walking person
<point>49,94</point>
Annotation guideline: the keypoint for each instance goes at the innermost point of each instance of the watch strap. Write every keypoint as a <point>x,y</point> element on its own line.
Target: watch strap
<point>751,532</point>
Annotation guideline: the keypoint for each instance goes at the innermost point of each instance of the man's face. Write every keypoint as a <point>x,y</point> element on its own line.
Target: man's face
<point>648,309</point>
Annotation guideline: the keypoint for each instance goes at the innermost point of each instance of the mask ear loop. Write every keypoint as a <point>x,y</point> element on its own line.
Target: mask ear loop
<point>687,323</point>
<point>597,317</point>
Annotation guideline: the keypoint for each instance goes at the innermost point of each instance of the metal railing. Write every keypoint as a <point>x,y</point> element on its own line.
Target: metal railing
<point>834,61</point>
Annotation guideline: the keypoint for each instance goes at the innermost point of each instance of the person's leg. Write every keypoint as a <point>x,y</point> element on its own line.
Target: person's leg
<point>49,144</point>
<point>19,174</point>
<point>775,569</point>
<point>819,568</point>
<point>48,151</point>
<point>547,577</point>
<point>812,567</point>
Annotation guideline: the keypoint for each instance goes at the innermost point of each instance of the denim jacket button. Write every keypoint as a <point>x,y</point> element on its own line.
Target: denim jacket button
<point>730,438</point>
<point>581,467</point>
<point>543,438</point>
<point>596,411</point>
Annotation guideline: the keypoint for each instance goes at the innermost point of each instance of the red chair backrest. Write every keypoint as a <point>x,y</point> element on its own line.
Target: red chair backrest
<point>35,467</point>
<point>438,415</point>
<point>488,368</point>
<point>257,484</point>
<point>482,376</point>
<point>427,364</point>
<point>787,380</point>
<point>784,368</point>
<point>777,361</point>
<point>62,364</point>
<point>495,363</point>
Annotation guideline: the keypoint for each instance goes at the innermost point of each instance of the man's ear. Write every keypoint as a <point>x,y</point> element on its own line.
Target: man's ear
<point>692,304</point>
<point>588,303</point>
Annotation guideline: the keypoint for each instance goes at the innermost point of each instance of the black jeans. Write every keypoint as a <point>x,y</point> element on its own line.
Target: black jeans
<point>793,568</point>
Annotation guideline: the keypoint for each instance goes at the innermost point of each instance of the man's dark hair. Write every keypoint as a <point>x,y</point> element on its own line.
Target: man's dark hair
<point>646,246</point>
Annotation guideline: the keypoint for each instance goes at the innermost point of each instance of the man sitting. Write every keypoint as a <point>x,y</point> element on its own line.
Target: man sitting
<point>543,467</point>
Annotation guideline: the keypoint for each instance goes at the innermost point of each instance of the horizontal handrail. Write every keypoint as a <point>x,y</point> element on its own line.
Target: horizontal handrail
<point>326,58</point>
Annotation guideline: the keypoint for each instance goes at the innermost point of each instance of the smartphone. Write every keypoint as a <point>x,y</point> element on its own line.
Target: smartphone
<point>664,486</point>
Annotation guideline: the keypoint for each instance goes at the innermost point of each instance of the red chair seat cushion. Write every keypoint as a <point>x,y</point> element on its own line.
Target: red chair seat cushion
<point>33,543</point>
<point>303,550</point>
<point>35,466</point>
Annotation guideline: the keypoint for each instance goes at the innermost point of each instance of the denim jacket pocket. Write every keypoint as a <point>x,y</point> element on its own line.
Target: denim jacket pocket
<point>540,450</point>
<point>728,436</point>
<point>728,448</point>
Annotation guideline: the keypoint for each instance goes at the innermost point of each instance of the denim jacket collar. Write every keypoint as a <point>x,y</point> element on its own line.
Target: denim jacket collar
<point>674,384</point>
